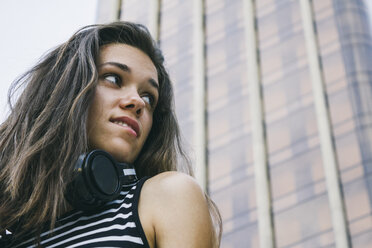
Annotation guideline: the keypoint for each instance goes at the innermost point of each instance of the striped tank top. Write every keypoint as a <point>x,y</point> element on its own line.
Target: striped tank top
<point>116,225</point>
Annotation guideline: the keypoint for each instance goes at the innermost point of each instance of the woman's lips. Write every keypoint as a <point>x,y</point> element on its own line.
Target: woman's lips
<point>126,121</point>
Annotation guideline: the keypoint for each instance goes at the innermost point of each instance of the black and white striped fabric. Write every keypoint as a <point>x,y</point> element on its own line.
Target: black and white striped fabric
<point>117,225</point>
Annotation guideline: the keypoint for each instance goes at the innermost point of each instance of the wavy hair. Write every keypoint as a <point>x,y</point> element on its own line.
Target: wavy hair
<point>46,130</point>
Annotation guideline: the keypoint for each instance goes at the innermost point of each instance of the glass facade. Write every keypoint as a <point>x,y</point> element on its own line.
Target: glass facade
<point>299,196</point>
<point>136,11</point>
<point>346,52</point>
<point>176,41</point>
<point>231,178</point>
<point>300,199</point>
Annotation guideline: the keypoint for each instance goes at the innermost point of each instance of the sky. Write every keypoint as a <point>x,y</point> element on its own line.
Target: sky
<point>29,28</point>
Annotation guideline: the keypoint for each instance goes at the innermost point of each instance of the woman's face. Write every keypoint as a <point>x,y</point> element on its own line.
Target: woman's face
<point>120,117</point>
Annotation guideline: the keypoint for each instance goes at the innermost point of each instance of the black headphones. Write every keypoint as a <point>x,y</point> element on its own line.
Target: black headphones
<point>98,180</point>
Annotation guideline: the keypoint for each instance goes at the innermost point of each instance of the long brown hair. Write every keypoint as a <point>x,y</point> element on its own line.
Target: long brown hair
<point>46,129</point>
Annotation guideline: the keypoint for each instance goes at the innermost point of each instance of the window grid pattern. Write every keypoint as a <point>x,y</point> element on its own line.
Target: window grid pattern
<point>300,202</point>
<point>231,178</point>
<point>346,52</point>
<point>136,11</point>
<point>176,40</point>
<point>299,195</point>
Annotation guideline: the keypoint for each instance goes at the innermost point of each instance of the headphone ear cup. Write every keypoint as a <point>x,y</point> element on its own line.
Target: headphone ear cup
<point>103,176</point>
<point>79,196</point>
<point>96,181</point>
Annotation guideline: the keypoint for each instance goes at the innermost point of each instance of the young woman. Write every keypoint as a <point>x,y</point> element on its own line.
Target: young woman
<point>106,88</point>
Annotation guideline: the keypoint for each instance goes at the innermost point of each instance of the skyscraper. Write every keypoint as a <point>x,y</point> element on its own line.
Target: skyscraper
<point>274,98</point>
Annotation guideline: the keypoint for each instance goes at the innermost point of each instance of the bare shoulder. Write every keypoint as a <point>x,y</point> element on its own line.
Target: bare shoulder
<point>169,183</point>
<point>175,192</point>
<point>178,210</point>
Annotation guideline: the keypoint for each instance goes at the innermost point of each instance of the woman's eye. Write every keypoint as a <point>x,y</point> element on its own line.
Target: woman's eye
<point>114,79</point>
<point>148,99</point>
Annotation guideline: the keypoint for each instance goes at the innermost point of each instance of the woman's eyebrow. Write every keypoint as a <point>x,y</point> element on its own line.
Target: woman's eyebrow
<point>154,83</point>
<point>121,66</point>
<point>126,68</point>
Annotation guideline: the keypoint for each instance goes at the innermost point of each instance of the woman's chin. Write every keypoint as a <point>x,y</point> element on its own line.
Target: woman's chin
<point>122,157</point>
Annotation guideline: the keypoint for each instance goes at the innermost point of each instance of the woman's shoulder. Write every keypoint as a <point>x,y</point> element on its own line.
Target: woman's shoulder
<point>174,203</point>
<point>170,189</point>
<point>172,182</point>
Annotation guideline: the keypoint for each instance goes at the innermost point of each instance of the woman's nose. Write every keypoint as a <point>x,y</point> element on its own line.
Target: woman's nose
<point>132,102</point>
